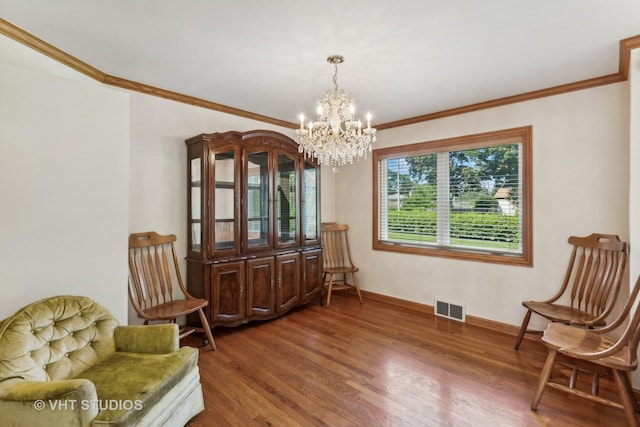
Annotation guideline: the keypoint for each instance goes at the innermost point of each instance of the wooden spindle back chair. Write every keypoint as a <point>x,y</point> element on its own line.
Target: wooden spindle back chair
<point>590,287</point>
<point>337,262</point>
<point>153,280</point>
<point>597,347</point>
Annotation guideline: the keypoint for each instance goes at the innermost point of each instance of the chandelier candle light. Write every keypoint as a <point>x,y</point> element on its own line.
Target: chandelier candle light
<point>335,138</point>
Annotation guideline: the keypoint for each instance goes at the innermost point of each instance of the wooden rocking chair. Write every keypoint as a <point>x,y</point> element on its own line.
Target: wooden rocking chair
<point>154,272</point>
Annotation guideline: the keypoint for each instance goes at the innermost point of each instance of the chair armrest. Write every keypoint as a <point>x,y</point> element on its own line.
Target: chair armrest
<point>37,403</point>
<point>44,390</point>
<point>158,339</point>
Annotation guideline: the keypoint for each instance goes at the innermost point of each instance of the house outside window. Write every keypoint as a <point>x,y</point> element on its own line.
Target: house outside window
<point>467,197</point>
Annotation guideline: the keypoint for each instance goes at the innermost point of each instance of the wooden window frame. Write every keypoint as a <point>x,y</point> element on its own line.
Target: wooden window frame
<point>523,135</point>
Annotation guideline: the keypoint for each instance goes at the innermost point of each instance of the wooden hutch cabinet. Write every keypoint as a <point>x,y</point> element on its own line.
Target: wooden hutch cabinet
<point>253,225</point>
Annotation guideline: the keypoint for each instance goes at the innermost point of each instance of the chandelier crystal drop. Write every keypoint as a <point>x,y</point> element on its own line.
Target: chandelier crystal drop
<point>336,138</point>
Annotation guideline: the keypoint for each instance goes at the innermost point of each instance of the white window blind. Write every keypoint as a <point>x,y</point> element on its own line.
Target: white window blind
<point>464,197</point>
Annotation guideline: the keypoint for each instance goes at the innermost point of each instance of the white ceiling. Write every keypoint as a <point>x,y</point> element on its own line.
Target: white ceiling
<point>404,58</point>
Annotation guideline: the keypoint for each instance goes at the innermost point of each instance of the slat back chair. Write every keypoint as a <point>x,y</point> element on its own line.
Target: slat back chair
<point>337,262</point>
<point>597,347</point>
<point>590,287</point>
<point>154,274</point>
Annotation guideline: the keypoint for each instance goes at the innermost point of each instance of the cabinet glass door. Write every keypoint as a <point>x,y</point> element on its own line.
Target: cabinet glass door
<point>310,213</point>
<point>286,207</point>
<point>256,205</point>
<point>195,221</point>
<point>225,214</point>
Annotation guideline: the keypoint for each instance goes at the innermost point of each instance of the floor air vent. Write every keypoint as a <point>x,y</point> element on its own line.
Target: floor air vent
<point>449,310</point>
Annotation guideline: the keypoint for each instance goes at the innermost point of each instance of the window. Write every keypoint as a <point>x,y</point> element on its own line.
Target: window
<point>467,197</point>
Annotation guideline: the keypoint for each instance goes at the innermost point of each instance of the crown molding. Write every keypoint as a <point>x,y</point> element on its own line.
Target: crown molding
<point>626,45</point>
<point>527,96</point>
<point>39,45</point>
<point>28,39</point>
<point>186,99</point>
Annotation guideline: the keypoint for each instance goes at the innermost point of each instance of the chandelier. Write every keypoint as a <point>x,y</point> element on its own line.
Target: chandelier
<point>336,138</point>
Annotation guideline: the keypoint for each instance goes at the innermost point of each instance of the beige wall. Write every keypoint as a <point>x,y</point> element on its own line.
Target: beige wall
<point>157,187</point>
<point>580,186</point>
<point>82,165</point>
<point>64,178</point>
<point>92,159</point>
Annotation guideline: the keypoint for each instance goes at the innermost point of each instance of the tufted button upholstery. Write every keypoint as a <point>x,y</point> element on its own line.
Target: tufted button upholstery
<point>55,339</point>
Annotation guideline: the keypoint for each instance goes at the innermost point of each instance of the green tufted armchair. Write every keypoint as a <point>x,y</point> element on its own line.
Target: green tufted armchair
<point>64,361</point>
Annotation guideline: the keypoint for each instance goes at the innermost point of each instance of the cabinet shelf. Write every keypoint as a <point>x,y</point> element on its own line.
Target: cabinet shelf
<point>224,184</point>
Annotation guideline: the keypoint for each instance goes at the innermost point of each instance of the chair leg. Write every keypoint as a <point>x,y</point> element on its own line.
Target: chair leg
<point>625,391</point>
<point>574,378</point>
<point>329,289</point>
<point>324,288</point>
<point>523,329</point>
<point>544,378</point>
<point>207,330</point>
<point>629,381</point>
<point>355,285</point>
<point>595,384</point>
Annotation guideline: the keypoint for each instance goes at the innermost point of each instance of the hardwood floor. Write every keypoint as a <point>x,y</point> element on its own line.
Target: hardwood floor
<point>378,364</point>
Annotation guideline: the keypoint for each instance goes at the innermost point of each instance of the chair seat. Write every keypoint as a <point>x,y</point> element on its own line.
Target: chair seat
<point>563,313</point>
<point>570,340</point>
<point>153,377</point>
<point>171,310</point>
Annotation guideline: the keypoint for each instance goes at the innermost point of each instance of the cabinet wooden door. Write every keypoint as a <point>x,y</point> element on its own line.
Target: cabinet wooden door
<point>227,292</point>
<point>261,295</point>
<point>224,191</point>
<point>311,274</point>
<point>256,232</point>
<point>286,198</point>
<point>288,278</point>
<point>196,204</point>
<point>309,212</point>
